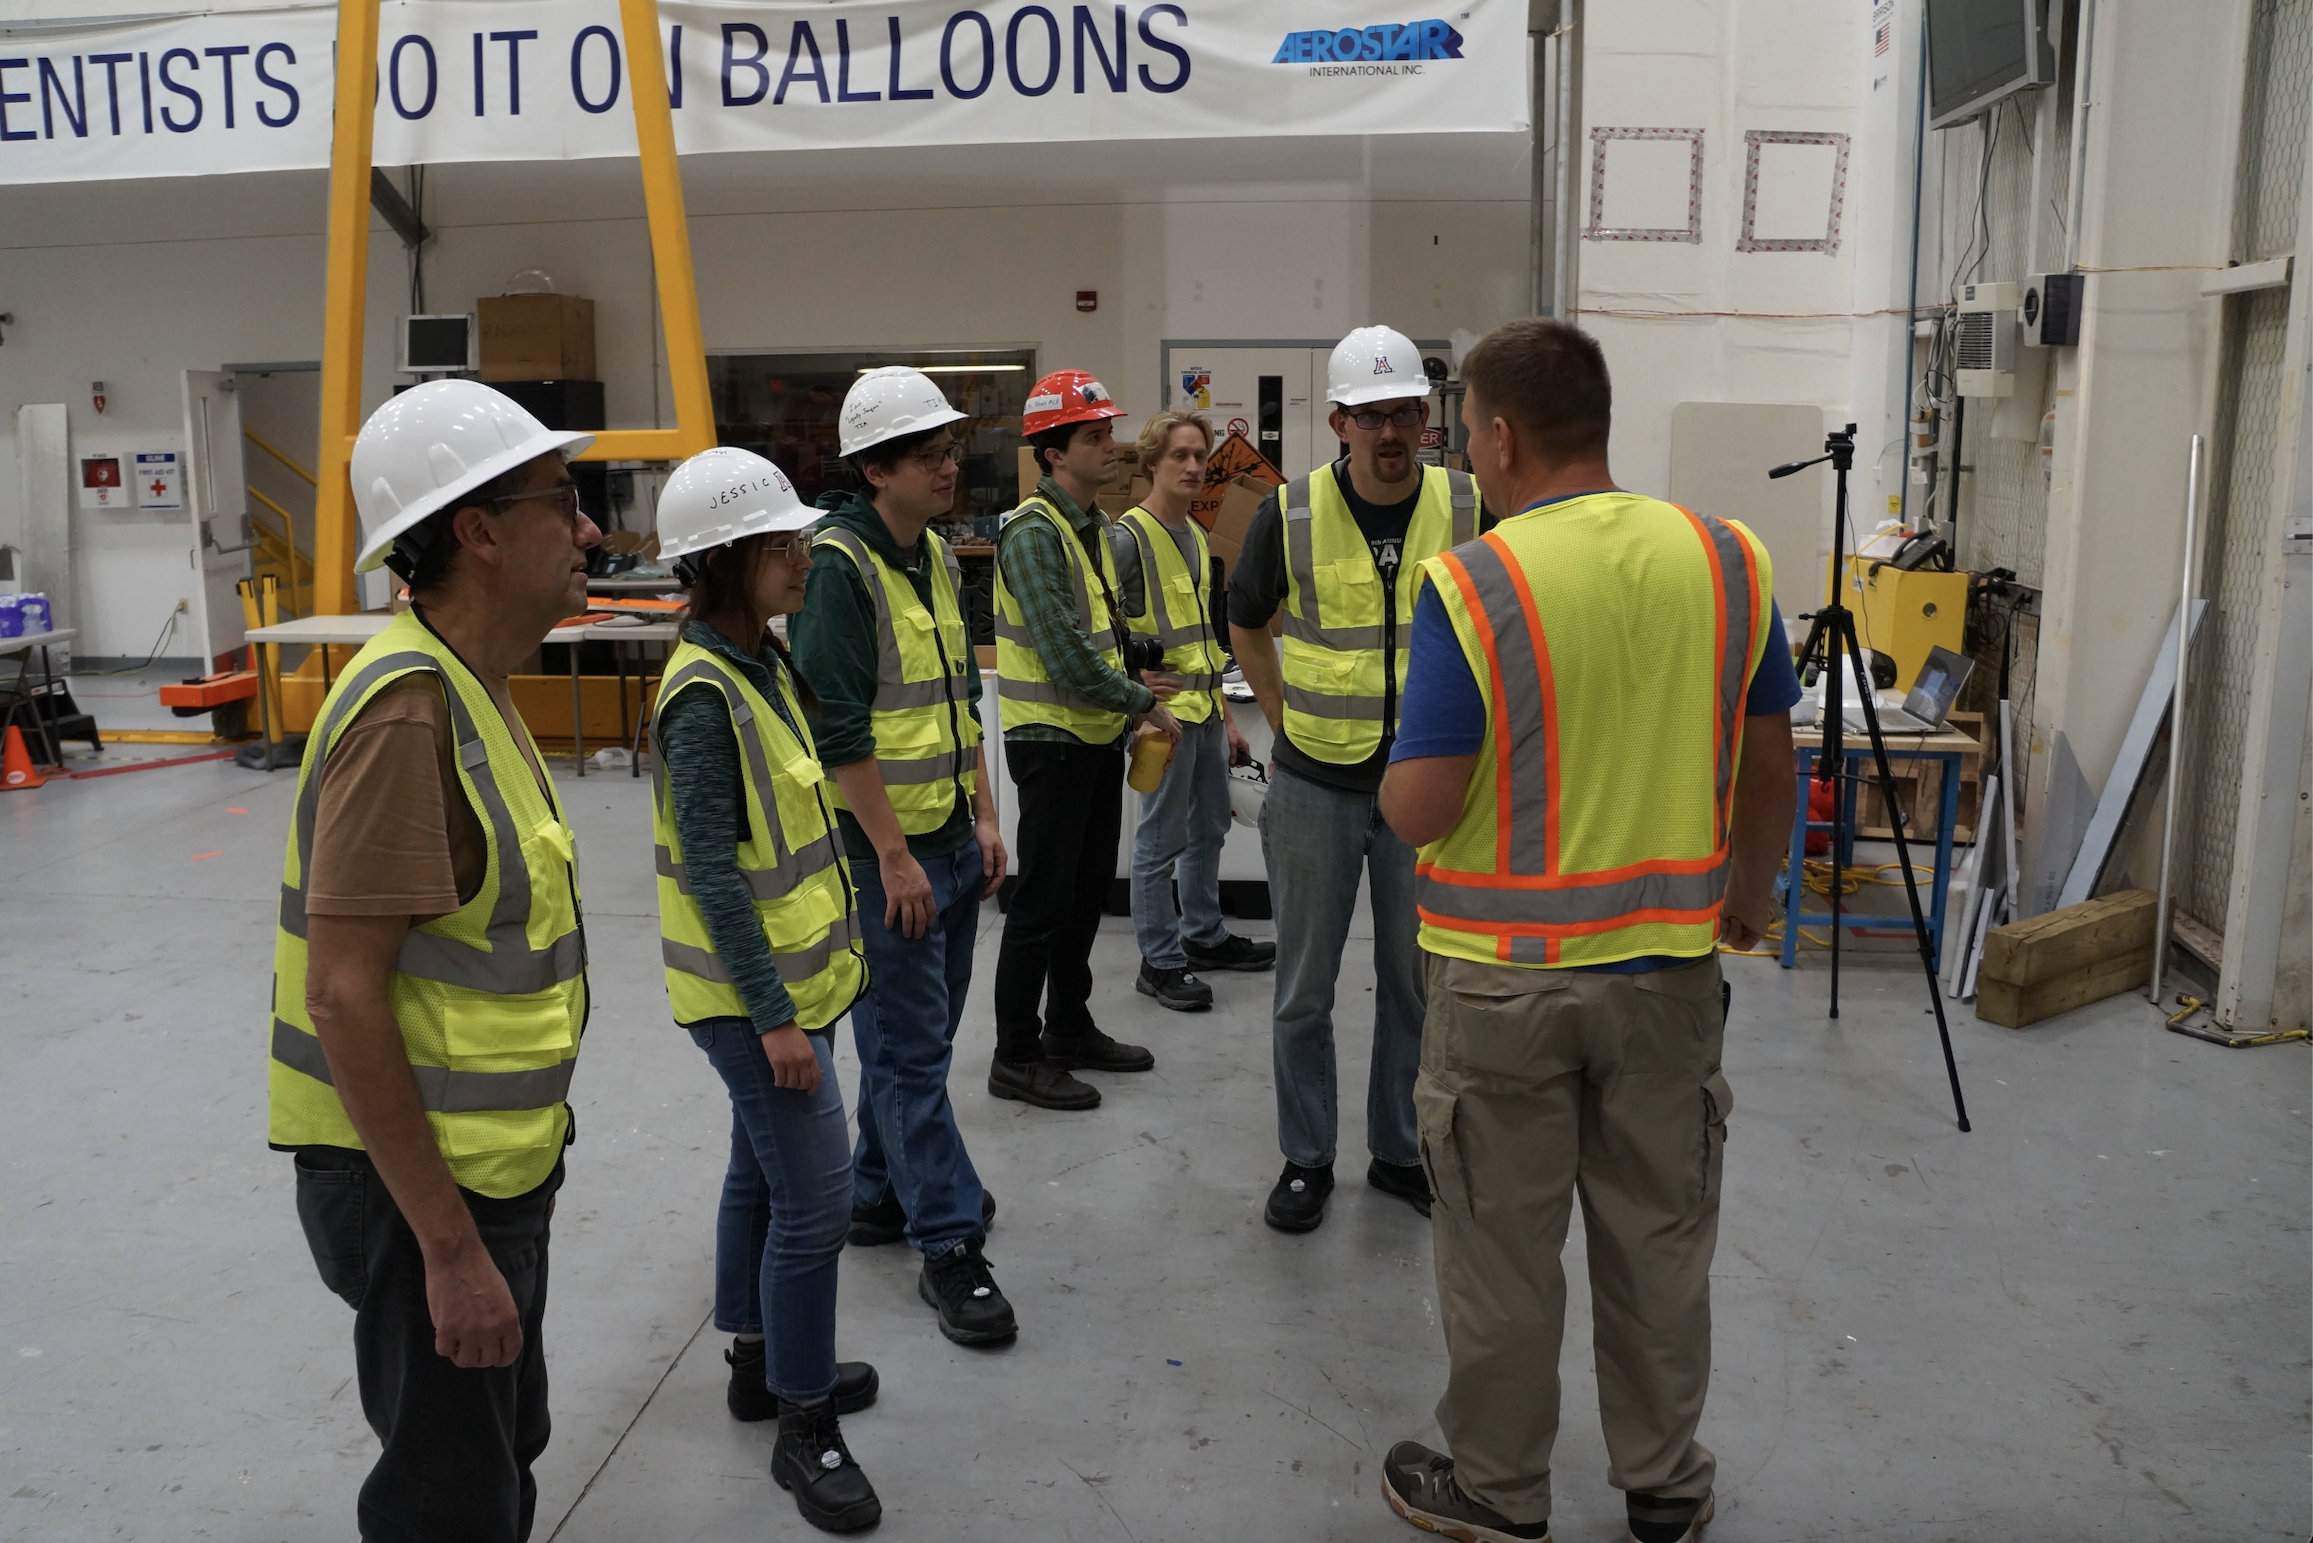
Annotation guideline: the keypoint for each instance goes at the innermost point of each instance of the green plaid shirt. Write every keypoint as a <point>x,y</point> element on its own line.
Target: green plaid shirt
<point>1036,570</point>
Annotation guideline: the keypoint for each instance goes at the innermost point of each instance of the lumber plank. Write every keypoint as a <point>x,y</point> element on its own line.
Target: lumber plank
<point>2014,1006</point>
<point>2062,942</point>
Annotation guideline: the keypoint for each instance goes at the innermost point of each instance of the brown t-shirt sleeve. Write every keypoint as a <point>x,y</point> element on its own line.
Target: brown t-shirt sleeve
<point>394,834</point>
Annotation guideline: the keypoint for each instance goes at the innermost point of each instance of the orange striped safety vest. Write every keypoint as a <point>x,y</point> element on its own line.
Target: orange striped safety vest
<point>1613,637</point>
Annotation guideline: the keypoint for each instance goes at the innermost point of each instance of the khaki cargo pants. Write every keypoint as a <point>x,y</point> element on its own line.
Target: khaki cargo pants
<point>1536,1086</point>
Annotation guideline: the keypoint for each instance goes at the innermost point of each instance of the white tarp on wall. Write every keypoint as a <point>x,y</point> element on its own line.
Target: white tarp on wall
<point>513,80</point>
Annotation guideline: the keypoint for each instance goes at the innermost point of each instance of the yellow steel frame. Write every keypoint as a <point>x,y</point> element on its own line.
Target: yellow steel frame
<point>335,542</point>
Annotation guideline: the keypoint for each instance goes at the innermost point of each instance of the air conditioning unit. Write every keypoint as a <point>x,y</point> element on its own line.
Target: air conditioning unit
<point>2051,310</point>
<point>1986,348</point>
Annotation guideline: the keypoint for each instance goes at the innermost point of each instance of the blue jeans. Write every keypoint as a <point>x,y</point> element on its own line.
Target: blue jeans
<point>905,1028</point>
<point>786,1207</point>
<point>1182,825</point>
<point>1315,840</point>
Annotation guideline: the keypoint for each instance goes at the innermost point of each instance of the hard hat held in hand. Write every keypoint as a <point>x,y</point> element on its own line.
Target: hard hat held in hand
<point>433,443</point>
<point>1374,364</point>
<point>884,404</point>
<point>722,495</point>
<point>1069,396</point>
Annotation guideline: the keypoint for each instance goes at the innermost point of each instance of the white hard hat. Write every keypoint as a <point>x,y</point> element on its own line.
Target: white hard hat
<point>1374,364</point>
<point>723,495</point>
<point>1247,790</point>
<point>430,444</point>
<point>884,404</point>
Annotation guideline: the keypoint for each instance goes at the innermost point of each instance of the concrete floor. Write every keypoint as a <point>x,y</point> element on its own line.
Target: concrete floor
<point>2087,1320</point>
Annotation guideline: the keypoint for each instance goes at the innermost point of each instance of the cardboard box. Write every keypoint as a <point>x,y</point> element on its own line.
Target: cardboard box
<point>537,337</point>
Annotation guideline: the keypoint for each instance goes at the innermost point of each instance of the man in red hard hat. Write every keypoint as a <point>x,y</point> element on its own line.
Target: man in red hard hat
<point>1068,701</point>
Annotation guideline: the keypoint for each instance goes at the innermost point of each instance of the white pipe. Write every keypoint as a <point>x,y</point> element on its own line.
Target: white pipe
<point>2083,67</point>
<point>2043,156</point>
<point>2176,727</point>
<point>1541,237</point>
<point>1564,295</point>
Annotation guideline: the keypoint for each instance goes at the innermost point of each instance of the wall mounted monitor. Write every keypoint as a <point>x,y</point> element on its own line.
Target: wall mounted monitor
<point>1981,52</point>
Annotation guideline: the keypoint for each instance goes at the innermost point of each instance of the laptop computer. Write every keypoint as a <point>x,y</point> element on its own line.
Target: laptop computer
<point>1941,675</point>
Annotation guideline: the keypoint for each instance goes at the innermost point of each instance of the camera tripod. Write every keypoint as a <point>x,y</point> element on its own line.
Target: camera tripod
<point>1831,642</point>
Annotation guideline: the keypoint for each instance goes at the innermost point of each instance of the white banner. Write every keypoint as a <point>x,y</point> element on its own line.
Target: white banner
<point>515,80</point>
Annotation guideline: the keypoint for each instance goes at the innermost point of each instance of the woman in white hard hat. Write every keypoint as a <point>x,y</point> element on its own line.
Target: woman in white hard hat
<point>759,932</point>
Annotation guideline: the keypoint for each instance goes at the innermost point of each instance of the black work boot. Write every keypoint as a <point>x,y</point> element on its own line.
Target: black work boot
<point>1231,953</point>
<point>963,1288</point>
<point>1177,989</point>
<point>855,1384</point>
<point>1094,1051</point>
<point>1297,1203</point>
<point>875,1225</point>
<point>812,1463</point>
<point>1654,1519</point>
<point>1045,1083</point>
<point>1420,1486</point>
<point>1407,1181</point>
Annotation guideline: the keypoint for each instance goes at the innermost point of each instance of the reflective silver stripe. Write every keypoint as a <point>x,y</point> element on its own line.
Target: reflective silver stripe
<point>887,650</point>
<point>1464,493</point>
<point>509,966</point>
<point>1576,903</point>
<point>801,965</point>
<point>898,771</point>
<point>1074,550</point>
<point>1522,734</point>
<point>904,695</point>
<point>1734,643</point>
<point>1046,692</point>
<point>743,721</point>
<point>1342,639</point>
<point>1300,559</point>
<point>1319,704</point>
<point>1013,632</point>
<point>440,1089</point>
<point>1199,682</point>
<point>762,883</point>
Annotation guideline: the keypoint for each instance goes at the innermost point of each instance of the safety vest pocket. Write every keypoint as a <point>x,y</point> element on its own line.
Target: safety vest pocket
<point>530,1027</point>
<point>497,1130</point>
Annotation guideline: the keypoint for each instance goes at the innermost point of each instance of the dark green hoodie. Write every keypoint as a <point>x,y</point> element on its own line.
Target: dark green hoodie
<point>833,638</point>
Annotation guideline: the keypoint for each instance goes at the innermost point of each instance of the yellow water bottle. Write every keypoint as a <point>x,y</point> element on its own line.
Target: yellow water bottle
<point>1152,752</point>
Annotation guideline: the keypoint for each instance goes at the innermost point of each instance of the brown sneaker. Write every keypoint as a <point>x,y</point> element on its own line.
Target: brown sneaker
<point>1419,1485</point>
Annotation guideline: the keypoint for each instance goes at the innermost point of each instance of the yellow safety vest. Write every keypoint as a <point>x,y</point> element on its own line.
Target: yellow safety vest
<point>491,999</point>
<point>1613,638</point>
<point>925,730</point>
<point>1179,613</point>
<point>788,858</point>
<point>1025,691</point>
<point>1343,637</point>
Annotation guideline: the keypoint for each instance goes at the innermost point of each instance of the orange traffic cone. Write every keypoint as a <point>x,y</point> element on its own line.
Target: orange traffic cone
<point>16,763</point>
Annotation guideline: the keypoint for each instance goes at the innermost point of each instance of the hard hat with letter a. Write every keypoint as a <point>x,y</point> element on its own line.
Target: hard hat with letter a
<point>886,403</point>
<point>1068,396</point>
<point>432,444</point>
<point>1374,364</point>
<point>723,495</point>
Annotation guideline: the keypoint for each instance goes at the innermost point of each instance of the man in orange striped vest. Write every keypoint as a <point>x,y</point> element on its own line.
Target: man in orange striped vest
<point>1595,762</point>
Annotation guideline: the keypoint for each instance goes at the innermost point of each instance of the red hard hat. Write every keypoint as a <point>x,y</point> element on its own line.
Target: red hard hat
<point>1067,396</point>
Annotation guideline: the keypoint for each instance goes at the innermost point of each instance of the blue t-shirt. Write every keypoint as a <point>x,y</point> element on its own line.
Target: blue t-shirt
<point>1443,713</point>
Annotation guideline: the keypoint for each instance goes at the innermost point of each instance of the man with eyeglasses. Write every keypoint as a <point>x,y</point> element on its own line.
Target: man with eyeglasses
<point>1336,552</point>
<point>429,968</point>
<point>881,637</point>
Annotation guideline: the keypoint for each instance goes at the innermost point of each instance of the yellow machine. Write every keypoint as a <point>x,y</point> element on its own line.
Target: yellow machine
<point>1904,614</point>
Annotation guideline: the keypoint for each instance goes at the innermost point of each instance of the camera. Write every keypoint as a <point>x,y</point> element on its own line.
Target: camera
<point>1142,652</point>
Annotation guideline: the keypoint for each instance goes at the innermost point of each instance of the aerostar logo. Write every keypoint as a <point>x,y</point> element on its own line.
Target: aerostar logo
<point>1387,43</point>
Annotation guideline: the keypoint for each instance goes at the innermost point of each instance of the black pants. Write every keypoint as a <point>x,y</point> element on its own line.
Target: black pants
<point>1071,811</point>
<point>458,1444</point>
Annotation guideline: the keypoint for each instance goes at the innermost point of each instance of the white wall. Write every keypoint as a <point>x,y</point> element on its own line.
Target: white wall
<point>850,249</point>
<point>1724,66</point>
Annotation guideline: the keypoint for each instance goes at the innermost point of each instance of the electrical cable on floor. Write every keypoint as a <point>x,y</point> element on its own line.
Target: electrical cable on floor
<point>168,630</point>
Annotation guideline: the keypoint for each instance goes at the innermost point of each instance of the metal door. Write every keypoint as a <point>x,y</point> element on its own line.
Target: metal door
<point>216,509</point>
<point>1232,385</point>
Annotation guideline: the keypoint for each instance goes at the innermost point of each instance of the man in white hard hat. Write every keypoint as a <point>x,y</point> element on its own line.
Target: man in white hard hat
<point>1336,551</point>
<point>430,928</point>
<point>882,639</point>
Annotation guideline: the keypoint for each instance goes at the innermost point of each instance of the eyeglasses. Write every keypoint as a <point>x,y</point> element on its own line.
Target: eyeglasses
<point>564,494</point>
<point>1403,418</point>
<point>787,545</point>
<point>933,457</point>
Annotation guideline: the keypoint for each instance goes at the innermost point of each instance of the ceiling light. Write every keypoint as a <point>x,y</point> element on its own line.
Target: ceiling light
<point>947,369</point>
